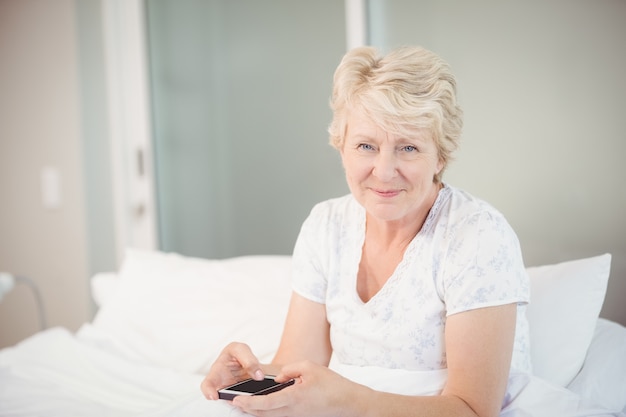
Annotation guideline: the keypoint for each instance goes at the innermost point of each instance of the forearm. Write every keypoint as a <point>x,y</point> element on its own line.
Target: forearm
<point>366,402</point>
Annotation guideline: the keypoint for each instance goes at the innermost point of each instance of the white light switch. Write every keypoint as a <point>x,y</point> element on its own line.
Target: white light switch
<point>51,188</point>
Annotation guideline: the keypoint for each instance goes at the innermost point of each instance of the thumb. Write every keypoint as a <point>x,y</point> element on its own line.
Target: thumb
<point>257,374</point>
<point>291,371</point>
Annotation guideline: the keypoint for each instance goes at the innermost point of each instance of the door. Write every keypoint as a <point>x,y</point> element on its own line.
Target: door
<point>240,93</point>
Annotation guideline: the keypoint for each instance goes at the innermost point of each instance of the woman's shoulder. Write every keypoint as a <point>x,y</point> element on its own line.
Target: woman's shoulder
<point>462,212</point>
<point>329,230</point>
<point>462,204</point>
<point>333,217</point>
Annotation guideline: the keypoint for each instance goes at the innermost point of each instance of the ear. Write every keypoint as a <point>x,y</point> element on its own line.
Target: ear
<point>440,164</point>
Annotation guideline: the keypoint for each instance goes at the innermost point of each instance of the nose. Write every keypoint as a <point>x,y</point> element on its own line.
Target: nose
<point>385,165</point>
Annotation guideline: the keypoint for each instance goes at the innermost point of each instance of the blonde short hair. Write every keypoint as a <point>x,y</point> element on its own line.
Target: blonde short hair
<point>407,90</point>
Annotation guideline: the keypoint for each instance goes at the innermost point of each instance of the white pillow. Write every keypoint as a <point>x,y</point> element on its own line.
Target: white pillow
<point>179,312</point>
<point>103,287</point>
<point>602,381</point>
<point>565,303</point>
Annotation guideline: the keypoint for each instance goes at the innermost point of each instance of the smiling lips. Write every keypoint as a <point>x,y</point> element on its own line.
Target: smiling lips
<point>385,193</point>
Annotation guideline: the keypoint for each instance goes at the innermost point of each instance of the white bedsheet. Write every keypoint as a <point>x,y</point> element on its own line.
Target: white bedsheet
<point>56,373</point>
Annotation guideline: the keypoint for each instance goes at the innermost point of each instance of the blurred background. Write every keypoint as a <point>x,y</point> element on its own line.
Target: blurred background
<point>199,127</point>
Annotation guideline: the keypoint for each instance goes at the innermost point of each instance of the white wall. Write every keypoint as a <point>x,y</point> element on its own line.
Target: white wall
<point>40,127</point>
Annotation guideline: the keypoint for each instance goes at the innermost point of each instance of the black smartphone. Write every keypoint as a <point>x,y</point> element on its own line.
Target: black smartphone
<point>253,387</point>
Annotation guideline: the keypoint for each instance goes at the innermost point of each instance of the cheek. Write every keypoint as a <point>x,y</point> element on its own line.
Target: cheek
<point>420,173</point>
<point>353,167</point>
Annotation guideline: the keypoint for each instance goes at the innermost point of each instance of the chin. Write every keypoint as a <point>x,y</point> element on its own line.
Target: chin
<point>385,212</point>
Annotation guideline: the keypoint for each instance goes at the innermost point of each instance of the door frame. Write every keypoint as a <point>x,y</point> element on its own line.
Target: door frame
<point>129,120</point>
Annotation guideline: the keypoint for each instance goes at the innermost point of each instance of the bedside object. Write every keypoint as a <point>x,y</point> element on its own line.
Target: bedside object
<point>9,281</point>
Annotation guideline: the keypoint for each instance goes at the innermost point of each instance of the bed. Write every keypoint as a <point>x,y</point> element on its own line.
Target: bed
<point>163,318</point>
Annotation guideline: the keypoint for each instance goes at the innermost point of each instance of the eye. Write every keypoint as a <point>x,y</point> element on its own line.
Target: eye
<point>365,147</point>
<point>409,149</point>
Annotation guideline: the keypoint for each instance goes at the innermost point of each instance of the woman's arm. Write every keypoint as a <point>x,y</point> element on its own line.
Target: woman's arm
<point>479,346</point>
<point>306,335</point>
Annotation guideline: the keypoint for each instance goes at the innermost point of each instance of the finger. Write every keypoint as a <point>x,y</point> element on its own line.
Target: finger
<point>208,389</point>
<point>292,371</point>
<point>236,362</point>
<point>283,377</point>
<point>242,354</point>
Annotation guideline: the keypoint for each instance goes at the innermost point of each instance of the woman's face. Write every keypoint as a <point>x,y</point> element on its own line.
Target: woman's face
<point>391,176</point>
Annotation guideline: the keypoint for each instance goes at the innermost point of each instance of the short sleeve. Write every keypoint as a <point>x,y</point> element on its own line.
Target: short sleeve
<point>310,259</point>
<point>484,265</point>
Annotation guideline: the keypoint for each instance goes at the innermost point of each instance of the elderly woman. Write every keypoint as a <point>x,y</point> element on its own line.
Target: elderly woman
<point>406,279</point>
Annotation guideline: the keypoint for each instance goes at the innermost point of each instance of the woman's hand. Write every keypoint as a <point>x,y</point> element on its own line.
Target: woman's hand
<point>318,391</point>
<point>235,363</point>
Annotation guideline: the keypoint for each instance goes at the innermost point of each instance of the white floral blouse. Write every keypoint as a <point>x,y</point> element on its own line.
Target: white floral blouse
<point>466,256</point>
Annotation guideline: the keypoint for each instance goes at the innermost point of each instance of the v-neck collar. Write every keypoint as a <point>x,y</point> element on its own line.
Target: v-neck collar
<point>397,273</point>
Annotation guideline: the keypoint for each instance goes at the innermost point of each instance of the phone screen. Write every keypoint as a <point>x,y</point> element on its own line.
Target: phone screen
<point>251,386</point>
